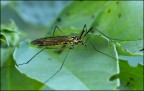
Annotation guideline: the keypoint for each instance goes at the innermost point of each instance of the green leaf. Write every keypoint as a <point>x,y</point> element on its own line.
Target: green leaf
<point>12,79</point>
<point>10,34</point>
<point>131,78</point>
<point>133,60</point>
<point>119,20</point>
<point>130,48</point>
<point>5,54</point>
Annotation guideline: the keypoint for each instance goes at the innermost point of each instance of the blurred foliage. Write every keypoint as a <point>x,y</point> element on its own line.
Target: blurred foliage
<point>85,68</point>
<point>130,77</point>
<point>10,36</point>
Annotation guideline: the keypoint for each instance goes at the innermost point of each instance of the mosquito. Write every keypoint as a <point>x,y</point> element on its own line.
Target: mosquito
<point>63,41</point>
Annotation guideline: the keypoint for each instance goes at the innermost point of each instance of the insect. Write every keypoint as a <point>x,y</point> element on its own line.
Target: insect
<point>64,40</point>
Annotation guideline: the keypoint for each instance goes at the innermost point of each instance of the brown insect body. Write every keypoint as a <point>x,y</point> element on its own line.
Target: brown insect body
<point>57,40</point>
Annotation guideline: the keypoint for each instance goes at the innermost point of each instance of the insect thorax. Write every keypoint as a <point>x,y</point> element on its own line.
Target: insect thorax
<point>74,40</point>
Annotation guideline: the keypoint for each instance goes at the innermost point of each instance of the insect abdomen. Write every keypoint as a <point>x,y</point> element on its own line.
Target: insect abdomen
<point>49,41</point>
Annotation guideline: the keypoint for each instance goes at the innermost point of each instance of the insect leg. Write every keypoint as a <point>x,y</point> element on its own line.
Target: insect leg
<point>100,51</point>
<point>95,29</point>
<point>99,32</point>
<point>60,50</point>
<point>30,58</point>
<point>92,43</point>
<point>27,61</point>
<point>34,56</point>
<point>82,32</point>
<point>56,27</point>
<point>60,67</point>
<point>85,27</point>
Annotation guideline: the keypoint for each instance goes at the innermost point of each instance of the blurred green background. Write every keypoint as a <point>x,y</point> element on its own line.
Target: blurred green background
<point>31,16</point>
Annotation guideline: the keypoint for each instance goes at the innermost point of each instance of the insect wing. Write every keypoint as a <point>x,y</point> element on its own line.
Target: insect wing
<point>50,41</point>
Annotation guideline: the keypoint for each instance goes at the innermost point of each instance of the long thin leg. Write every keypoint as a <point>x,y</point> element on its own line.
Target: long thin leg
<point>100,51</point>
<point>27,61</point>
<point>82,32</point>
<point>92,43</point>
<point>100,33</point>
<point>30,58</point>
<point>56,27</point>
<point>40,50</point>
<point>60,67</point>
